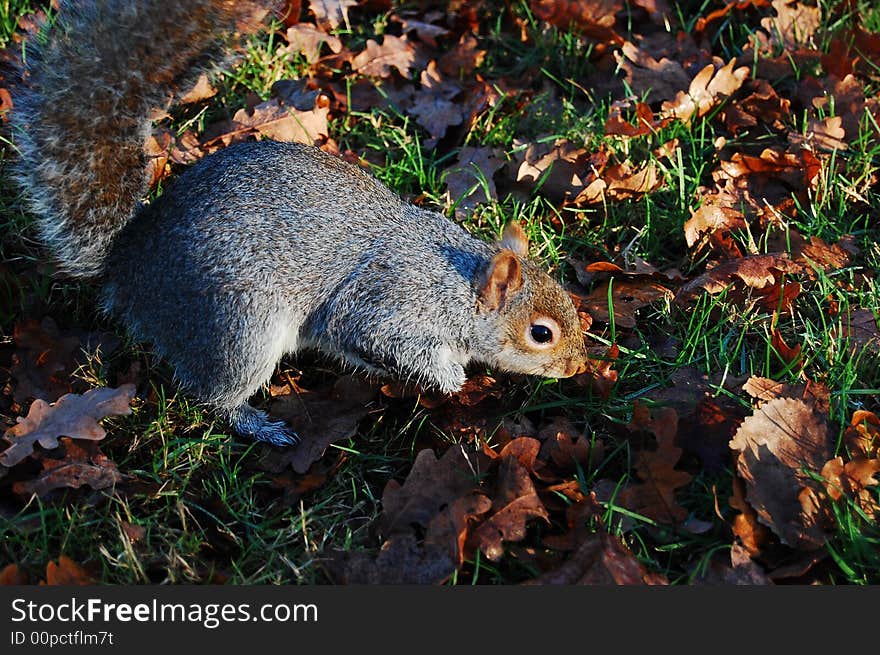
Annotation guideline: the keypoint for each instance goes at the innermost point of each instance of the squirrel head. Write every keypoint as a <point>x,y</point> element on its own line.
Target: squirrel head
<point>533,325</point>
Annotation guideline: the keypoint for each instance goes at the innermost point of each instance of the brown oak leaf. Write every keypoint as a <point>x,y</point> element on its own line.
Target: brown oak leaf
<point>773,446</point>
<point>554,168</point>
<point>650,78</point>
<point>469,181</point>
<point>431,484</point>
<point>403,559</point>
<point>330,14</point>
<point>77,467</point>
<point>380,60</point>
<point>654,497</point>
<point>306,39</point>
<point>600,560</point>
<point>705,92</point>
<point>852,479</point>
<point>319,418</point>
<point>72,415</point>
<point>515,502</point>
<point>710,224</point>
<point>66,572</point>
<point>11,575</point>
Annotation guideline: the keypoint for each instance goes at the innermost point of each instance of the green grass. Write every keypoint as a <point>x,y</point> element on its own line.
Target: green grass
<point>210,514</point>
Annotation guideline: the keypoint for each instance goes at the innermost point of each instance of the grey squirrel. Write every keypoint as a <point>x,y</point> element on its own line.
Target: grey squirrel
<point>263,248</point>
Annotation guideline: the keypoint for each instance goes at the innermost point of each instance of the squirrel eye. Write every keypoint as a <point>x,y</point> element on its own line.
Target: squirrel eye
<point>543,332</point>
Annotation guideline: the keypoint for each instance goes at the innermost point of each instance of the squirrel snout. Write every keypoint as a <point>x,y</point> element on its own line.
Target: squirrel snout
<point>574,366</point>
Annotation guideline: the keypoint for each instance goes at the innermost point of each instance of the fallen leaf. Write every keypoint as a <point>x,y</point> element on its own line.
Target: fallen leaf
<point>711,224</point>
<point>462,60</point>
<point>306,39</point>
<point>569,450</point>
<point>469,181</point>
<point>654,497</point>
<point>401,560</point>
<point>616,125</point>
<point>514,503</point>
<point>620,182</point>
<point>72,415</point>
<point>450,528</point>
<point>791,355</point>
<point>66,572</point>
<point>793,26</point>
<point>826,134</point>
<point>201,90</point>
<point>281,122</point>
<point>757,103</point>
<point>330,14</point>
<point>594,18</point>
<point>379,60</point>
<point>77,467</point>
<point>554,169</point>
<point>774,446</point>
<point>649,78</point>
<point>852,479</point>
<point>862,436</point>
<point>628,296</point>
<point>705,92</point>
<point>601,560</point>
<point>756,271</point>
<point>433,106</point>
<point>431,484</point>
<point>11,575</point>
<point>319,418</point>
<point>751,533</point>
<point>46,355</point>
<point>428,33</point>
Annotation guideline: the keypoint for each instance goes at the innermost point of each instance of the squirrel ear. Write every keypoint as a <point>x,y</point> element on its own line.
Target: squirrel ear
<point>514,238</point>
<point>503,277</point>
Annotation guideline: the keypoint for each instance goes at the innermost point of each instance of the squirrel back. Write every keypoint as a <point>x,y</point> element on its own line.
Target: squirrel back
<point>81,119</point>
<point>262,248</point>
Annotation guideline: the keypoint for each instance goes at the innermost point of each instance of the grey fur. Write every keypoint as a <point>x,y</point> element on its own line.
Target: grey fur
<point>267,248</point>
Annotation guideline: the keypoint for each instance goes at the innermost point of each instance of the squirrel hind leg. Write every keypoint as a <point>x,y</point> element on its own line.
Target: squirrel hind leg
<point>256,424</point>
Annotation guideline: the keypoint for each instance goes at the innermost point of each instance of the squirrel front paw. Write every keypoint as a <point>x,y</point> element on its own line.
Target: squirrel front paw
<point>256,424</point>
<point>450,377</point>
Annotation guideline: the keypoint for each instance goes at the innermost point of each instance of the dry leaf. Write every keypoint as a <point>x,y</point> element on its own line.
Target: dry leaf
<point>793,26</point>
<point>281,122</point>
<point>306,39</point>
<point>650,78</point>
<point>330,14</point>
<point>72,416</point>
<point>319,418</point>
<point>601,560</point>
<point>66,572</point>
<point>469,181</point>
<point>11,575</point>
<point>594,18</point>
<point>655,496</point>
<point>555,168</point>
<point>79,466</point>
<point>201,90</point>
<point>379,60</point>
<point>431,484</point>
<point>515,502</point>
<point>853,479</point>
<point>709,224</point>
<point>705,92</point>
<point>401,560</point>
<point>773,445</point>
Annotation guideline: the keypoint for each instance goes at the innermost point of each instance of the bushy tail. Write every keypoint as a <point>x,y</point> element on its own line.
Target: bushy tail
<point>81,118</point>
